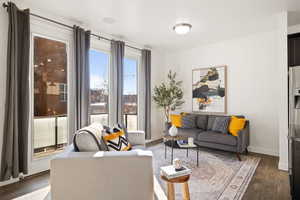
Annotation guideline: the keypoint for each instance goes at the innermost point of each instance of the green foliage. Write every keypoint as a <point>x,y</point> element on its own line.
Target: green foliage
<point>168,96</point>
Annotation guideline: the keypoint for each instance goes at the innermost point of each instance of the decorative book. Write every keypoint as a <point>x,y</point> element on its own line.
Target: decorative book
<point>170,172</point>
<point>185,144</point>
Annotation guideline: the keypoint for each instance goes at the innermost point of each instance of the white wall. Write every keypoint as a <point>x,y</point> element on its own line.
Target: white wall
<point>253,78</point>
<point>294,29</point>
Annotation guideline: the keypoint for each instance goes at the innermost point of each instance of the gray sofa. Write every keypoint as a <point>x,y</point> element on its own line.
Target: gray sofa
<point>205,137</point>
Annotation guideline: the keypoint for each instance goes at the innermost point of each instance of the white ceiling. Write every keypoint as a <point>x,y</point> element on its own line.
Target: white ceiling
<point>149,22</point>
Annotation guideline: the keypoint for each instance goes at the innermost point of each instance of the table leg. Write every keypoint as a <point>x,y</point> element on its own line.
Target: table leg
<point>171,194</point>
<point>165,151</point>
<point>197,156</point>
<point>186,192</point>
<point>172,151</point>
<point>187,152</point>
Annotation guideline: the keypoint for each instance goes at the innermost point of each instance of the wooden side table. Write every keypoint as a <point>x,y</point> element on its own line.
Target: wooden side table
<point>185,186</point>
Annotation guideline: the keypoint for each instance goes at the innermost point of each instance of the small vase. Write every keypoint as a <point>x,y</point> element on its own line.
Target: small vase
<point>173,131</point>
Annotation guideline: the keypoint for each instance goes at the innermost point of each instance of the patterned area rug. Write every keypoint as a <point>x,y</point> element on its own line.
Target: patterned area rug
<point>220,176</point>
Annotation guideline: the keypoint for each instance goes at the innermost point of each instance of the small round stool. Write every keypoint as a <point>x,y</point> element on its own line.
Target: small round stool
<point>185,186</point>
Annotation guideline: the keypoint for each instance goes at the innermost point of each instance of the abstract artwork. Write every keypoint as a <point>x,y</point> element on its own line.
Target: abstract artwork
<point>209,90</point>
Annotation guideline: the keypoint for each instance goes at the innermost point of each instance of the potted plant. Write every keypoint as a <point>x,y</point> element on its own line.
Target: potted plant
<point>169,96</point>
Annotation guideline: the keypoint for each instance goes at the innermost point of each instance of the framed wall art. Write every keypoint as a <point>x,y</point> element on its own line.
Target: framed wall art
<point>209,90</point>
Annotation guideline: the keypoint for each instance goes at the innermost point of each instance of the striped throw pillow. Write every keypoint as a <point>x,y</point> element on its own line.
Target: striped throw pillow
<point>116,139</point>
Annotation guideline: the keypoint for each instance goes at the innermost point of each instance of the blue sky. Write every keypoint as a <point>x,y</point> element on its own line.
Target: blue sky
<point>99,68</point>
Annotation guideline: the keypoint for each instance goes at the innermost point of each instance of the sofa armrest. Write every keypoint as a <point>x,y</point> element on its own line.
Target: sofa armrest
<point>137,137</point>
<point>243,138</point>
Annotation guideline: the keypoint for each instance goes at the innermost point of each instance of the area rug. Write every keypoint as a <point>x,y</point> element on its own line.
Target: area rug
<point>220,176</point>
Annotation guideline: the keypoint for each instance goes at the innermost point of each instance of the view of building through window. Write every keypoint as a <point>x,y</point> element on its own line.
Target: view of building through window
<point>99,84</point>
<point>50,95</point>
<point>130,96</point>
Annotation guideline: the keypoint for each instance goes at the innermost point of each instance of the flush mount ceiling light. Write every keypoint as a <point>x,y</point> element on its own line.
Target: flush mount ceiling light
<point>182,28</point>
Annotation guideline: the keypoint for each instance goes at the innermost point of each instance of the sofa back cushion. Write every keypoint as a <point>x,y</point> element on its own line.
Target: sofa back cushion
<point>210,122</point>
<point>201,121</point>
<point>188,121</point>
<point>221,124</point>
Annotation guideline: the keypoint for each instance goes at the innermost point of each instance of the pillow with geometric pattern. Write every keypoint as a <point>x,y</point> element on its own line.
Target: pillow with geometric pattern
<point>116,139</point>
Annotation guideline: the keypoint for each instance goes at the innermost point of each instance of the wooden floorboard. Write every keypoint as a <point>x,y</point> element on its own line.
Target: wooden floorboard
<point>268,183</point>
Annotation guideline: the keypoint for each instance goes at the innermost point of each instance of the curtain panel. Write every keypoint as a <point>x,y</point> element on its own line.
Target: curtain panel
<point>146,73</point>
<point>14,158</point>
<point>117,62</point>
<point>82,77</point>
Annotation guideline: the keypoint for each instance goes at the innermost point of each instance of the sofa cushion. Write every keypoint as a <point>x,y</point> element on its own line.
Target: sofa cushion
<point>201,121</point>
<point>214,137</point>
<point>210,122</point>
<point>188,121</point>
<point>189,132</point>
<point>221,124</point>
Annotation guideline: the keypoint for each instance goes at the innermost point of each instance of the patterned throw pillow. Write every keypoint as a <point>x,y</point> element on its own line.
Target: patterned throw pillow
<point>221,124</point>
<point>116,139</point>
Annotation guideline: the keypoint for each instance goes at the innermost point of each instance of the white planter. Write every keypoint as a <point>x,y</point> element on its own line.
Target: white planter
<point>173,131</point>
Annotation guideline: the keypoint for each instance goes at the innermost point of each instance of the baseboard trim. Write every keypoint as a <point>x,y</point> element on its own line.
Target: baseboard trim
<point>263,150</point>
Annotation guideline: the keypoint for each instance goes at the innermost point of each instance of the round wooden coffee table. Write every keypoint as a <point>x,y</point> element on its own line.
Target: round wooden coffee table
<point>185,187</point>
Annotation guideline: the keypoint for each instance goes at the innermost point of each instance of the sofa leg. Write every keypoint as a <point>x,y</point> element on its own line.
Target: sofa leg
<point>246,151</point>
<point>238,156</point>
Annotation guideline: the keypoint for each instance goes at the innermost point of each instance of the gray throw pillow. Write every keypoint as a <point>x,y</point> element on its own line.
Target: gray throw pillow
<point>210,122</point>
<point>188,121</point>
<point>201,121</point>
<point>221,124</point>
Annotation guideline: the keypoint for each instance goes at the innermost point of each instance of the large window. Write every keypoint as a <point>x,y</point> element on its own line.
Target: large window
<point>99,68</point>
<point>130,96</point>
<point>50,95</point>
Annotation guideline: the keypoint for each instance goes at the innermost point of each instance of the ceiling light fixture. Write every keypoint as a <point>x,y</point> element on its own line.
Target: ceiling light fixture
<point>182,28</point>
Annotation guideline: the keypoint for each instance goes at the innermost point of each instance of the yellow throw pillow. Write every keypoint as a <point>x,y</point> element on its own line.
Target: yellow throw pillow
<point>236,124</point>
<point>176,120</point>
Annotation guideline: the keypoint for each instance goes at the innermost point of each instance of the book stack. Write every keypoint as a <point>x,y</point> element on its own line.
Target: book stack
<point>170,172</point>
<point>185,144</point>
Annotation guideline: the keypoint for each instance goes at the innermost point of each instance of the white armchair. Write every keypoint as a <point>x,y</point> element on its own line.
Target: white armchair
<point>103,175</point>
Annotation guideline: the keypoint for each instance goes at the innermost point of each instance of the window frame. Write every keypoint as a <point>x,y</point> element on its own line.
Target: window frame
<point>32,100</point>
<point>104,47</point>
<point>136,55</point>
<point>54,32</point>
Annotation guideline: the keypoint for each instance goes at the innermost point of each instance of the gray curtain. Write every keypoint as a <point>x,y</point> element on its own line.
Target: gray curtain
<point>15,134</point>
<point>146,70</point>
<point>117,61</point>
<point>82,76</point>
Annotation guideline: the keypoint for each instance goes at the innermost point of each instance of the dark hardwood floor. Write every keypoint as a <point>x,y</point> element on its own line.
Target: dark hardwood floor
<point>268,183</point>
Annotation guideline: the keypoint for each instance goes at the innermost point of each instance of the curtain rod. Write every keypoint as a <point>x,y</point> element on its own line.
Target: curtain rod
<point>5,5</point>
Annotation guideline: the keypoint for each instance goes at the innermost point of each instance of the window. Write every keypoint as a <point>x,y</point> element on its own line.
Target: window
<point>50,61</point>
<point>130,96</point>
<point>99,83</point>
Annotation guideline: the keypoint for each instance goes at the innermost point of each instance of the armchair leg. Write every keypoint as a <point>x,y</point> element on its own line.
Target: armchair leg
<point>246,151</point>
<point>238,156</point>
